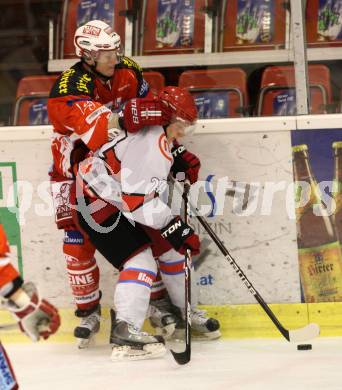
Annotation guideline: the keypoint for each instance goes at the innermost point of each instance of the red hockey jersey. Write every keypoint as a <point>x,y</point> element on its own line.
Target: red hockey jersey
<point>80,104</point>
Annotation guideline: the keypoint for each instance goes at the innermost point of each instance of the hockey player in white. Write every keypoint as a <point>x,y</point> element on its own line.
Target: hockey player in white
<point>129,172</point>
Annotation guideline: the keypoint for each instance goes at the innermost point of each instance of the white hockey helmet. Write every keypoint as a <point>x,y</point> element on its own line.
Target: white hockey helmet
<point>94,37</point>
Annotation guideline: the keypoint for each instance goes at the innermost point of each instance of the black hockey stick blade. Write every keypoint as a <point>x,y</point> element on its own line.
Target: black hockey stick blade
<point>182,357</point>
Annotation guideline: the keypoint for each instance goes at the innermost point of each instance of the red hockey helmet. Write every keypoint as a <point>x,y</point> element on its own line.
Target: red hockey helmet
<point>181,102</point>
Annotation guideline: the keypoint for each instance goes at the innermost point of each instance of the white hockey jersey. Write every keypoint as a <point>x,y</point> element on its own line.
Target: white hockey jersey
<point>131,172</point>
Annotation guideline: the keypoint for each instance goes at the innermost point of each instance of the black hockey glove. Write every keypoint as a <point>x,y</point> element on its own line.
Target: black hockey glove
<point>181,236</point>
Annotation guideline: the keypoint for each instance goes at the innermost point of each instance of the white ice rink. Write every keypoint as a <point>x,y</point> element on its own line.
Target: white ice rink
<point>230,365</point>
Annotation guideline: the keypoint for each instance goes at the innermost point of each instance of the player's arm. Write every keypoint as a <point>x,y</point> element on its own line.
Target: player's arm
<point>36,316</point>
<point>143,107</point>
<point>81,115</point>
<point>141,112</point>
<point>72,108</point>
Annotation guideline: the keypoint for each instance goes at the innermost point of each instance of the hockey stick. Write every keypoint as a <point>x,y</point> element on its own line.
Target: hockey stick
<point>184,357</point>
<point>307,332</point>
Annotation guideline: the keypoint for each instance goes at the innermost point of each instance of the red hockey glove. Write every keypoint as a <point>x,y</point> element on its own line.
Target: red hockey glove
<point>184,161</point>
<point>181,236</point>
<point>38,318</point>
<point>141,112</point>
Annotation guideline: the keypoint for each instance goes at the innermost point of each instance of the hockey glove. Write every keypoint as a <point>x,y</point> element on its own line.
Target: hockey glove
<point>37,317</point>
<point>181,236</point>
<point>141,112</point>
<point>78,154</point>
<point>184,161</point>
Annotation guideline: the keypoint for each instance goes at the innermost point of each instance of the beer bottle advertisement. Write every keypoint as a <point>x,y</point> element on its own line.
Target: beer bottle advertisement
<point>329,23</point>
<point>337,186</point>
<point>319,249</point>
<point>255,21</point>
<point>175,23</point>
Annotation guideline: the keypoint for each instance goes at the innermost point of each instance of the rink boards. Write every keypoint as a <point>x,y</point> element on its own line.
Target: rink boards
<point>253,152</point>
<point>237,321</point>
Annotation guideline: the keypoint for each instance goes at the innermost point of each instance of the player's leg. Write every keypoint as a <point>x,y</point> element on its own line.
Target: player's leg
<point>171,265</point>
<point>131,300</point>
<point>161,313</point>
<point>127,248</point>
<point>84,277</point>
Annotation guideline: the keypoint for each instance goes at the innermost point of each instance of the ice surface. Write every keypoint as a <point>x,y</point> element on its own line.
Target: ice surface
<point>230,365</point>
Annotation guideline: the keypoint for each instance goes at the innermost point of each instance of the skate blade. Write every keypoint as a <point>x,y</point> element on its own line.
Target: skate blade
<point>167,331</point>
<point>86,343</point>
<point>126,352</point>
<point>205,336</point>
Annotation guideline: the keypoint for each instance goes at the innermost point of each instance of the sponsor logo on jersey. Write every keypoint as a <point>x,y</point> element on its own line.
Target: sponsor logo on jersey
<point>145,278</point>
<point>164,147</point>
<point>82,82</point>
<point>95,114</point>
<point>61,199</point>
<point>63,82</point>
<point>130,63</point>
<point>86,298</point>
<point>70,259</point>
<point>92,30</point>
<point>81,280</point>
<point>73,237</point>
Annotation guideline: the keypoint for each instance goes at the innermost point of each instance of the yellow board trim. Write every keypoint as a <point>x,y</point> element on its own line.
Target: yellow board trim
<point>237,321</point>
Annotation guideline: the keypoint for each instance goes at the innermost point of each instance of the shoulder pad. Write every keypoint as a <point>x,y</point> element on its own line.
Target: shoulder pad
<point>74,81</point>
<point>129,63</point>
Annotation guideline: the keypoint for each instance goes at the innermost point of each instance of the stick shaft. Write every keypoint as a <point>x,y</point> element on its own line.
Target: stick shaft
<point>184,357</point>
<point>243,277</point>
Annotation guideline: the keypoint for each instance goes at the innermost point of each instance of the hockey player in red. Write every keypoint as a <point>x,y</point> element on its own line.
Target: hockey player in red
<point>85,109</point>
<point>36,316</point>
<point>133,185</point>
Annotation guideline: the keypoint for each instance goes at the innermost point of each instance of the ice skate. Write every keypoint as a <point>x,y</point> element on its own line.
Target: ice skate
<point>162,317</point>
<point>202,327</point>
<point>89,326</point>
<point>131,344</point>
